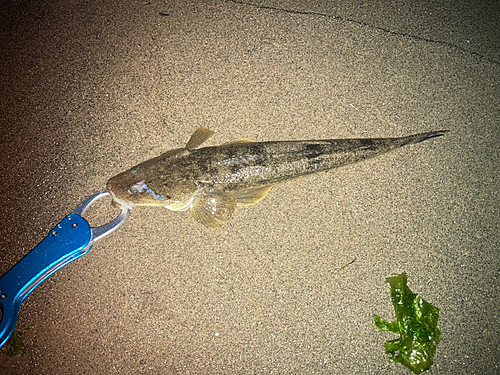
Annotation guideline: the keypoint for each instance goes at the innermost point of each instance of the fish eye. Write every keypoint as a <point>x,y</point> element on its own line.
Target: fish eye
<point>134,170</point>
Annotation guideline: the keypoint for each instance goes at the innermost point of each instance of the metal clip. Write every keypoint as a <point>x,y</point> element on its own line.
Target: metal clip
<point>105,230</point>
<point>69,240</point>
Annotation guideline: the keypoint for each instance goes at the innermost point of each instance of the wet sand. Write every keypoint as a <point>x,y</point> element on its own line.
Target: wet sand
<point>89,89</point>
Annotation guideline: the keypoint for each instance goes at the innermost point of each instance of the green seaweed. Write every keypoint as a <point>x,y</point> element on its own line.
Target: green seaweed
<point>15,345</point>
<point>416,322</point>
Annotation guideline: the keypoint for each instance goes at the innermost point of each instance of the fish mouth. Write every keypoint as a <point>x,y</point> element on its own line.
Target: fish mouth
<point>120,202</point>
<point>137,188</point>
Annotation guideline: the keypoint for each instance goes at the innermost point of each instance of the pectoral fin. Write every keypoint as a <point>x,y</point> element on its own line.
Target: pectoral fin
<point>251,196</point>
<point>198,137</point>
<point>211,209</point>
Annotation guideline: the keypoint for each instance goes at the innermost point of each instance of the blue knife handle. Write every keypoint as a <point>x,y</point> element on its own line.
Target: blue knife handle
<point>69,240</point>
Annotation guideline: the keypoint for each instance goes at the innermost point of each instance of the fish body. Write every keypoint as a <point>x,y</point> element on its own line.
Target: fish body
<point>212,181</point>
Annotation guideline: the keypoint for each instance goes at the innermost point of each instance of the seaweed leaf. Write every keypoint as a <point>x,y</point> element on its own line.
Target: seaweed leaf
<point>416,323</point>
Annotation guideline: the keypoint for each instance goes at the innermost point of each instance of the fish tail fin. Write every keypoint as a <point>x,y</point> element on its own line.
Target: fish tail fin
<point>417,138</point>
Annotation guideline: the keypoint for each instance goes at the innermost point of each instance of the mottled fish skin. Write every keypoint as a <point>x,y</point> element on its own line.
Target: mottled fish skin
<point>212,181</point>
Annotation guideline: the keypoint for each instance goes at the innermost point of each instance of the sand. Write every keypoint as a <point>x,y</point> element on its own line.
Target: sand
<point>89,89</point>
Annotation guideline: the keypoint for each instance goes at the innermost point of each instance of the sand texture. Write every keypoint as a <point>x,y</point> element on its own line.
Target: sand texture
<point>90,88</point>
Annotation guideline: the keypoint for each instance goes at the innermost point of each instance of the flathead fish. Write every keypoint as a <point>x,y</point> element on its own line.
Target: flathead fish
<point>212,181</point>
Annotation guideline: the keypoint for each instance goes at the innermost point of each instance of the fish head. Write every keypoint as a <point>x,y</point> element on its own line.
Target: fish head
<point>140,186</point>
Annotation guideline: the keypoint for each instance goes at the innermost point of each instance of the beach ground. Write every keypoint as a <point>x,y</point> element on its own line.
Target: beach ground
<point>88,89</point>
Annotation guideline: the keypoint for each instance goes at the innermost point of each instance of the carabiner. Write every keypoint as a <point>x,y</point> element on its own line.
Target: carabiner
<point>69,240</point>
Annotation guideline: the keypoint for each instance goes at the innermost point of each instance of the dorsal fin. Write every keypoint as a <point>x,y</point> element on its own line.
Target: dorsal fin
<point>238,142</point>
<point>198,137</point>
